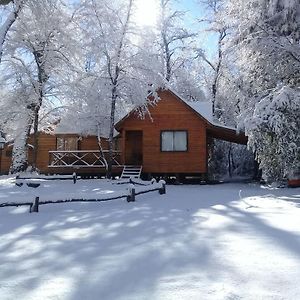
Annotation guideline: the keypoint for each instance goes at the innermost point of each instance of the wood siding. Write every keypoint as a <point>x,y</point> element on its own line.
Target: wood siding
<point>169,114</point>
<point>46,143</point>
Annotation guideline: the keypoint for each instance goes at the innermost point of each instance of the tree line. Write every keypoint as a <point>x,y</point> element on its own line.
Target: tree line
<point>87,63</point>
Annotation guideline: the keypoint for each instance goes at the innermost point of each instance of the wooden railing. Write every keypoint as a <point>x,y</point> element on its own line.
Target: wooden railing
<point>82,159</point>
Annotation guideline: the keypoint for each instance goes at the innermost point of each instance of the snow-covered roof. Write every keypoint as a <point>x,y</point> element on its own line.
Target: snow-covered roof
<point>63,130</point>
<point>203,108</point>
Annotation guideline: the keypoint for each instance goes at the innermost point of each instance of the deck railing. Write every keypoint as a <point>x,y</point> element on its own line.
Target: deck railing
<point>82,159</point>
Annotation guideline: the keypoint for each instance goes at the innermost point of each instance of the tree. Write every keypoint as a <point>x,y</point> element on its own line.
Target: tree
<point>11,18</point>
<point>117,62</point>
<point>266,41</point>
<point>173,39</point>
<point>218,27</point>
<point>38,50</point>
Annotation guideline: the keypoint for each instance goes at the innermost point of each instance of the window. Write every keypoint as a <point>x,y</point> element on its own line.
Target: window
<point>67,143</point>
<point>173,140</point>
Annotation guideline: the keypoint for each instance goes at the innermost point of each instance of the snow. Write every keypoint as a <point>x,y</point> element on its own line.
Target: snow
<point>229,241</point>
<point>202,108</point>
<point>205,110</point>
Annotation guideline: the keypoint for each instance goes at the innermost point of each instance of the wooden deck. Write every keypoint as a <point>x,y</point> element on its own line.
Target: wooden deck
<point>83,162</point>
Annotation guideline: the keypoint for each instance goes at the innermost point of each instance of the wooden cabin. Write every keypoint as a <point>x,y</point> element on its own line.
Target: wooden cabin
<point>65,153</point>
<point>174,139</point>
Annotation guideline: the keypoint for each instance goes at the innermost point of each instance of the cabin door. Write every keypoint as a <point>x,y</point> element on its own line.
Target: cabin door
<point>134,147</point>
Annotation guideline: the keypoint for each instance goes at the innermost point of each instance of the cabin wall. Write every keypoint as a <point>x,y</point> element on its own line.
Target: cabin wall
<point>169,114</point>
<point>5,159</point>
<point>46,143</point>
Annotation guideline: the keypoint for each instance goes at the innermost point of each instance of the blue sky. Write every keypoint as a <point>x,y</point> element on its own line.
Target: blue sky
<point>195,10</point>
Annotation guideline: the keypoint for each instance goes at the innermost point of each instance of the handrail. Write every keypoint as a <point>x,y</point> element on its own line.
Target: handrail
<point>81,158</point>
<point>82,151</point>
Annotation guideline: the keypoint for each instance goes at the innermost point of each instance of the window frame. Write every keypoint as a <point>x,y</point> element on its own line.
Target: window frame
<point>173,131</point>
<point>64,138</point>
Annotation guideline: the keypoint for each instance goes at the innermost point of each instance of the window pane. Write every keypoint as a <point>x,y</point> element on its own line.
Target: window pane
<point>180,141</point>
<point>167,141</point>
<point>71,143</point>
<point>67,143</point>
<point>60,144</point>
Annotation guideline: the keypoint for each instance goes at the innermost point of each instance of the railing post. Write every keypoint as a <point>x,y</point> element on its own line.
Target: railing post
<point>162,189</point>
<point>35,205</point>
<point>131,193</point>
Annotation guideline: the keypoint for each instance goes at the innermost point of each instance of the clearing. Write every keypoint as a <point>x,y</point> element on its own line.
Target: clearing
<point>227,241</point>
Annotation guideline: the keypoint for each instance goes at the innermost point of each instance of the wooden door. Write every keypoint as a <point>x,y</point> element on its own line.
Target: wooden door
<point>134,147</point>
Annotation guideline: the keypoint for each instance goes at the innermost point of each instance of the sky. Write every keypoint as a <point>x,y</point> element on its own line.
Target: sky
<point>147,13</point>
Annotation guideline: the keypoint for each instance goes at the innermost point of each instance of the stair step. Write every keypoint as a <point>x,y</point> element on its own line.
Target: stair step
<point>131,171</point>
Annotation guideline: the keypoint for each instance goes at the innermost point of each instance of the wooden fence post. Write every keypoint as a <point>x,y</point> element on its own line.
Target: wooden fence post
<point>131,193</point>
<point>35,205</point>
<point>74,177</point>
<point>162,189</point>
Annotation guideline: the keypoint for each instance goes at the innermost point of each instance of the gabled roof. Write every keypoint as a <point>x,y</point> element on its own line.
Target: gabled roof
<point>204,111</point>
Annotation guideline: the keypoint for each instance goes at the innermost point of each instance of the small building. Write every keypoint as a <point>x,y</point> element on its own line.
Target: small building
<point>174,138</point>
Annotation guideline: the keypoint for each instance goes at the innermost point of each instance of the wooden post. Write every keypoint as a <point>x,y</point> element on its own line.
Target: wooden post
<point>74,177</point>
<point>131,193</point>
<point>162,189</point>
<point>35,205</point>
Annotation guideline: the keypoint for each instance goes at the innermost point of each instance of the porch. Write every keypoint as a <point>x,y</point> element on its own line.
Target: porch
<point>83,161</point>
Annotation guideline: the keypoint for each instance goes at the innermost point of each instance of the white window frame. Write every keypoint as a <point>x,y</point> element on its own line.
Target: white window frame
<point>174,147</point>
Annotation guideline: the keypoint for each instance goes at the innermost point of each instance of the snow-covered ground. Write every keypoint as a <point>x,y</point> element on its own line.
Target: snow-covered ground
<point>229,241</point>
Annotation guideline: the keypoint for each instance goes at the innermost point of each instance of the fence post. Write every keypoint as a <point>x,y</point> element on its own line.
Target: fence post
<point>35,205</point>
<point>74,177</point>
<point>162,189</point>
<point>131,193</point>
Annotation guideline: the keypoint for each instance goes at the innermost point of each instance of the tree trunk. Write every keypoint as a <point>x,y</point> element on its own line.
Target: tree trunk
<point>39,56</point>
<point>100,147</point>
<point>111,132</point>
<point>35,137</point>
<point>20,148</point>
<point>229,161</point>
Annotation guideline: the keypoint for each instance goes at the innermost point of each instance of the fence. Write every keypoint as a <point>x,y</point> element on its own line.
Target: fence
<point>130,195</point>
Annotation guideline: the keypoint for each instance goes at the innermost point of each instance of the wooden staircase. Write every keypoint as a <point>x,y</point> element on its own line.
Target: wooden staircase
<point>131,172</point>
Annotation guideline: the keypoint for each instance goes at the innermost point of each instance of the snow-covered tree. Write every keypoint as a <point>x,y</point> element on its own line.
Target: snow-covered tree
<point>119,70</point>
<point>273,131</point>
<point>38,51</point>
<point>266,35</point>
<point>9,21</point>
<point>173,40</point>
<point>215,25</point>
